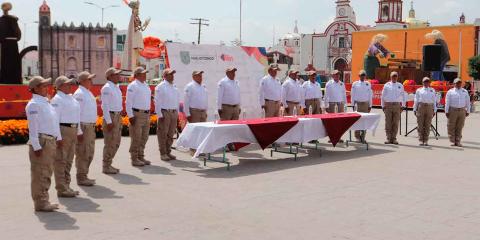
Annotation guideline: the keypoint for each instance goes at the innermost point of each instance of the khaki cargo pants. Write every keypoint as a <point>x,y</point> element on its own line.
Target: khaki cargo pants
<point>85,150</point>
<point>338,106</point>
<point>291,106</point>
<point>272,108</point>
<point>393,112</point>
<point>64,158</point>
<point>166,128</point>
<point>41,169</point>
<point>315,104</point>
<point>456,122</point>
<point>111,139</point>
<point>363,108</point>
<point>197,115</point>
<point>230,112</point>
<point>139,133</point>
<point>424,121</point>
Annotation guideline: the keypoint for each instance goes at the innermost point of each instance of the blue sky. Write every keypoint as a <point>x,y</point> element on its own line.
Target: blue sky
<point>171,19</point>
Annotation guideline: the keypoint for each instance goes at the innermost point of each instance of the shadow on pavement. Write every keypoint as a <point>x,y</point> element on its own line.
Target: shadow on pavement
<point>128,179</point>
<point>253,166</point>
<point>100,192</point>
<point>79,204</point>
<point>57,221</point>
<point>185,164</point>
<point>156,170</point>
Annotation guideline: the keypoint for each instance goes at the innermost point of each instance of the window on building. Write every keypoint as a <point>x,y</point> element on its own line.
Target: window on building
<point>121,42</point>
<point>297,43</point>
<point>341,42</point>
<point>101,42</point>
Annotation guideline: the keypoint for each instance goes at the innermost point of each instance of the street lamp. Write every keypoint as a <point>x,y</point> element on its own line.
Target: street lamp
<point>101,8</point>
<point>25,25</point>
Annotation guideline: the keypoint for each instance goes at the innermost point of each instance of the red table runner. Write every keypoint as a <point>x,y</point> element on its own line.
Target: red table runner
<point>266,130</point>
<point>336,124</point>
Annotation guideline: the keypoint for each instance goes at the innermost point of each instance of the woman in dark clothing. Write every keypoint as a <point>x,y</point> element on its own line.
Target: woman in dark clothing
<point>10,34</point>
<point>438,38</point>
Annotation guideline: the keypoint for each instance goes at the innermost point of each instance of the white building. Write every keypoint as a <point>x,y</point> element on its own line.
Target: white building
<point>287,52</point>
<point>332,49</point>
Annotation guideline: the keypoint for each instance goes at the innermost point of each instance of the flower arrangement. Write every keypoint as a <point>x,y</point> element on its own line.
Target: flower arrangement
<point>13,132</point>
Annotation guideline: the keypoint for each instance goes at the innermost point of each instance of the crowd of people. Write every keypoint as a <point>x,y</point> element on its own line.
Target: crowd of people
<point>63,128</point>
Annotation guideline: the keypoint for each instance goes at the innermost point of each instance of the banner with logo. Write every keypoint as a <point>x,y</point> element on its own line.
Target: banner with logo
<point>251,63</point>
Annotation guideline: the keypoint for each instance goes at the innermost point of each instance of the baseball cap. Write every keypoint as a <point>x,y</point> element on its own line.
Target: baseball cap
<point>393,74</point>
<point>38,80</point>
<point>197,73</point>
<point>457,80</point>
<point>426,79</point>
<point>85,75</point>
<point>139,70</point>
<point>231,69</point>
<point>112,71</point>
<point>362,72</point>
<point>63,80</point>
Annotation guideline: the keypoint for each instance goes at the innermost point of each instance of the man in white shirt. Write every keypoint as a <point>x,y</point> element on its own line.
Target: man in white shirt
<point>292,94</point>
<point>196,99</point>
<point>335,94</point>
<point>68,114</point>
<point>137,106</point>
<point>85,149</point>
<point>112,107</point>
<point>393,102</point>
<point>271,92</point>
<point>167,103</point>
<point>361,97</point>
<point>425,108</point>
<point>457,108</point>
<point>312,94</point>
<point>43,133</point>
<point>228,96</point>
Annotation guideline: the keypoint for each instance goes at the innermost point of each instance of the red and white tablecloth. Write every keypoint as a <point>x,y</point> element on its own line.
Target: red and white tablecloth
<point>209,137</point>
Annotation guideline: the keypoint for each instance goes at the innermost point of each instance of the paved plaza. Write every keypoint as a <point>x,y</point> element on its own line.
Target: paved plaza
<point>389,192</point>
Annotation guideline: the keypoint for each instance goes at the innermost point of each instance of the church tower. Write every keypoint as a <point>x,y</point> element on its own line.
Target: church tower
<point>390,14</point>
<point>345,11</point>
<point>44,14</point>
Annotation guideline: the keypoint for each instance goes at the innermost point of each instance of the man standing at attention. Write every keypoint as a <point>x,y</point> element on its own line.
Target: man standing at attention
<point>228,96</point>
<point>362,97</point>
<point>111,97</point>
<point>196,99</point>
<point>85,149</point>
<point>137,105</point>
<point>312,94</point>
<point>425,108</point>
<point>271,92</point>
<point>457,108</point>
<point>43,132</point>
<point>167,103</point>
<point>292,93</point>
<point>335,94</point>
<point>393,102</point>
<point>68,114</point>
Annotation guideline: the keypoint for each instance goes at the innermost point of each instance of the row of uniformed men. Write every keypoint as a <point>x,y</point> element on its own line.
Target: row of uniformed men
<point>294,95</point>
<point>65,126</point>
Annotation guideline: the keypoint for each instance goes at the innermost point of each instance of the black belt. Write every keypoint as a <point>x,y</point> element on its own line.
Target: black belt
<point>313,99</point>
<point>114,113</point>
<point>230,105</point>
<point>140,111</point>
<point>268,100</point>
<point>169,110</point>
<point>71,125</point>
<point>293,102</point>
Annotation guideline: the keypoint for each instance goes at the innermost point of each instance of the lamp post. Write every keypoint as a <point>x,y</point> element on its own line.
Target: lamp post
<point>25,26</point>
<point>101,8</point>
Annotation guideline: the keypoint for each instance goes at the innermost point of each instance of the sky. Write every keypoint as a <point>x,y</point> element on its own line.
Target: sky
<point>263,20</point>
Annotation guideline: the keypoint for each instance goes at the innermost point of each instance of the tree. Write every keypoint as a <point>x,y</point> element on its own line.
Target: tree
<point>474,67</point>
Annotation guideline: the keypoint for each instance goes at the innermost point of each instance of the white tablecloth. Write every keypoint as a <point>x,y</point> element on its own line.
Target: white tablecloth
<point>209,137</point>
